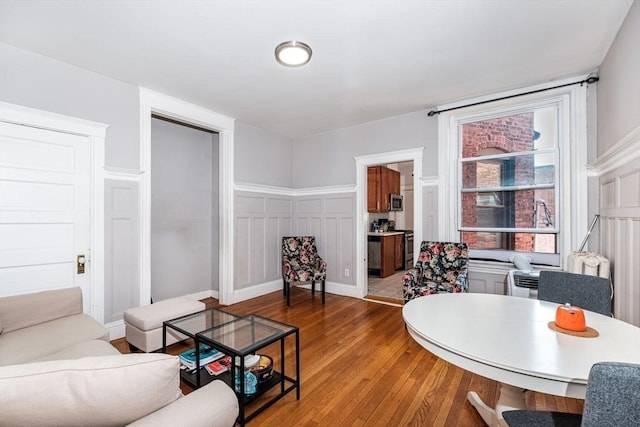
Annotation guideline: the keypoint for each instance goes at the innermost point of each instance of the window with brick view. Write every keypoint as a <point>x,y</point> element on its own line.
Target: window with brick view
<point>508,194</point>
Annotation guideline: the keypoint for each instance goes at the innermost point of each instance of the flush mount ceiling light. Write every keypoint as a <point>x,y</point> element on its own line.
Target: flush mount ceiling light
<point>293,53</point>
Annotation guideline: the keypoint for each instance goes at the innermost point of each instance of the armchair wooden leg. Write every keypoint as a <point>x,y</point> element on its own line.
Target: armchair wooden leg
<point>284,287</point>
<point>323,282</point>
<point>313,287</point>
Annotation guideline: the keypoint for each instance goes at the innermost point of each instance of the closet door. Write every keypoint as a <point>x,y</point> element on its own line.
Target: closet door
<point>44,210</point>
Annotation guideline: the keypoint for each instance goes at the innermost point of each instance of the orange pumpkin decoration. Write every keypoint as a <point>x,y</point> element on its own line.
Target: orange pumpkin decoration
<point>570,318</point>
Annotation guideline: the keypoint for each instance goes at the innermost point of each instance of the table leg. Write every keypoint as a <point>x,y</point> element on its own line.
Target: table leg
<point>509,398</point>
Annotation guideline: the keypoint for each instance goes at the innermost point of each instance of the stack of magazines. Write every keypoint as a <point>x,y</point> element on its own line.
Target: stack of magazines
<point>219,366</point>
<point>207,355</point>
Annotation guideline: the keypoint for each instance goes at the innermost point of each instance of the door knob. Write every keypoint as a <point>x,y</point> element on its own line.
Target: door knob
<point>81,261</point>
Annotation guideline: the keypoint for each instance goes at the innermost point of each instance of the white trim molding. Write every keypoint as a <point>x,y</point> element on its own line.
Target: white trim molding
<point>122,174</point>
<point>429,181</point>
<point>96,132</point>
<point>156,103</point>
<point>624,151</point>
<point>362,163</point>
<point>293,192</point>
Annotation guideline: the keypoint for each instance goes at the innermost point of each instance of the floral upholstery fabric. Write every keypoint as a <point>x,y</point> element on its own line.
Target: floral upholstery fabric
<point>441,267</point>
<point>300,260</point>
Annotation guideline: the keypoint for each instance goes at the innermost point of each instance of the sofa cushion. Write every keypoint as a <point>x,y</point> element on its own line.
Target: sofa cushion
<point>34,342</point>
<point>100,391</point>
<point>82,349</point>
<point>21,311</point>
<point>152,316</point>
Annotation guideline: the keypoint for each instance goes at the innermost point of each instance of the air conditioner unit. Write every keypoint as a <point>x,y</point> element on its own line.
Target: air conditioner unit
<point>523,283</point>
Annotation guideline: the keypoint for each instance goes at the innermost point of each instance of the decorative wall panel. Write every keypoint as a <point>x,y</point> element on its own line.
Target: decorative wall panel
<point>122,248</point>
<point>261,220</point>
<point>331,218</point>
<point>620,235</point>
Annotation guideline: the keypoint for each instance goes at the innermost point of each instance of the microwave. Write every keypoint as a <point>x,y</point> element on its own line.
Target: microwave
<point>395,202</point>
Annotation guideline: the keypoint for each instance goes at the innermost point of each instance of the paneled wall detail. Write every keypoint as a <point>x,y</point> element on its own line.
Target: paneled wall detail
<point>430,212</point>
<point>331,218</point>
<point>260,221</point>
<point>620,229</point>
<point>122,247</point>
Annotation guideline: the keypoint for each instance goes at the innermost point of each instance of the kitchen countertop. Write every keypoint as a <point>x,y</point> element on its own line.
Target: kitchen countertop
<point>383,234</point>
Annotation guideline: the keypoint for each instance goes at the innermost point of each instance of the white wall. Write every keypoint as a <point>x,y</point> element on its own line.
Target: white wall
<point>618,165</point>
<point>262,157</point>
<point>40,82</point>
<point>619,85</point>
<point>328,158</point>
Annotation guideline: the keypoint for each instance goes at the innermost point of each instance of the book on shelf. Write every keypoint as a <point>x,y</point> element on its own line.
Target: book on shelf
<point>207,355</point>
<point>219,366</point>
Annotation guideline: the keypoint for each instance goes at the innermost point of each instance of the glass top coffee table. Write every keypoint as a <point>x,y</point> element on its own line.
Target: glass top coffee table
<point>239,337</point>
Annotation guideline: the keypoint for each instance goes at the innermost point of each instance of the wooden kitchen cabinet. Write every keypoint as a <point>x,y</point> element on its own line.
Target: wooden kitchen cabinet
<point>381,181</point>
<point>388,256</point>
<point>399,251</point>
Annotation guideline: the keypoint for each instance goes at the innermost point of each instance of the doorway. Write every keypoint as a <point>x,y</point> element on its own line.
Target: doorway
<point>184,209</point>
<point>384,284</point>
<point>178,110</point>
<point>413,156</point>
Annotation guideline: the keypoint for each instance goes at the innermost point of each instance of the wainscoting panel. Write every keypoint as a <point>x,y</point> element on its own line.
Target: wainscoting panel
<point>333,224</point>
<point>122,248</point>
<point>488,277</point>
<point>620,234</point>
<point>261,219</point>
<point>430,212</point>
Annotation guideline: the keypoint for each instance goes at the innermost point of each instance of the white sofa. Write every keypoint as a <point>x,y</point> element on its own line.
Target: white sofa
<point>58,368</point>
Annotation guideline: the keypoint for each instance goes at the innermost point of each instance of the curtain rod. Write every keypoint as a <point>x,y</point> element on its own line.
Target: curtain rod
<point>588,80</point>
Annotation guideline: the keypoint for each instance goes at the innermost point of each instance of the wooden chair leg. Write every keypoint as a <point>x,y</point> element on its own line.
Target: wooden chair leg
<point>323,283</point>
<point>313,287</point>
<point>284,287</point>
<point>288,294</point>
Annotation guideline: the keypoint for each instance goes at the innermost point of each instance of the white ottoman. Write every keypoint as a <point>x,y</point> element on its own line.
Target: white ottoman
<point>143,325</point>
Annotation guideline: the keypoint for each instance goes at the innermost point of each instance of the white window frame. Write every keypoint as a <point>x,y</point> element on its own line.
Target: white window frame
<point>571,173</point>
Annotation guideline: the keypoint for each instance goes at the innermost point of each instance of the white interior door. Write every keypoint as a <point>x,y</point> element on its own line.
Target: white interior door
<point>45,210</point>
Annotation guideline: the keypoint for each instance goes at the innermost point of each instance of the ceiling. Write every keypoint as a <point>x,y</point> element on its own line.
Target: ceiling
<point>371,59</point>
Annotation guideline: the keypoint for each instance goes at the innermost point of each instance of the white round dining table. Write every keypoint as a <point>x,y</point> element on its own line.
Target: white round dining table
<point>508,339</point>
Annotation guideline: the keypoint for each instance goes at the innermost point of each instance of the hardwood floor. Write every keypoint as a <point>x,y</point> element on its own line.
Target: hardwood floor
<point>360,367</point>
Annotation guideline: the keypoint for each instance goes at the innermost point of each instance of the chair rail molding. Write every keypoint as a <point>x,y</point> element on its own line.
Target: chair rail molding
<point>293,192</point>
<point>624,151</point>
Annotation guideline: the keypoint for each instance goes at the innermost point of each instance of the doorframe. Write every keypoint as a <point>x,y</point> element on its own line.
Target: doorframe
<point>362,163</point>
<point>96,134</point>
<point>166,106</point>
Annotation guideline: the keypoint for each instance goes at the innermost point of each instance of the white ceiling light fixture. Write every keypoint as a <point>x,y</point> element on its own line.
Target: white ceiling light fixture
<point>293,53</point>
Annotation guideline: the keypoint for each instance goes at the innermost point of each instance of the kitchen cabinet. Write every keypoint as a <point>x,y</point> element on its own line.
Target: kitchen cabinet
<point>381,181</point>
<point>398,251</point>
<point>385,253</point>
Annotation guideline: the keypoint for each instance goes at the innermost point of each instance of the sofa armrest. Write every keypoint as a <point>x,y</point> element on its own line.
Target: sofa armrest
<point>21,311</point>
<point>214,405</point>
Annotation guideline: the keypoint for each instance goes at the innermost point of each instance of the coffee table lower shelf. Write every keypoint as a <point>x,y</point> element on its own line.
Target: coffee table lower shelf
<point>276,379</point>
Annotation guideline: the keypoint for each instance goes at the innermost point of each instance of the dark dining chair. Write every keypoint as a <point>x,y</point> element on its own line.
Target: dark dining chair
<point>612,400</point>
<point>301,263</point>
<point>587,292</point>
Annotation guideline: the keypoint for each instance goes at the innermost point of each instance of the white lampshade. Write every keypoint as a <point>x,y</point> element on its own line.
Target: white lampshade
<point>293,53</point>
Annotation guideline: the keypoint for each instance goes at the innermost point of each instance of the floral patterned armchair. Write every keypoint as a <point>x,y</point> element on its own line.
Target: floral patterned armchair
<point>441,267</point>
<point>301,263</point>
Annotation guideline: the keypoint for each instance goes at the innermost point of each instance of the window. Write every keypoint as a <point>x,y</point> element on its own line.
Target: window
<point>508,171</point>
<point>510,165</point>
